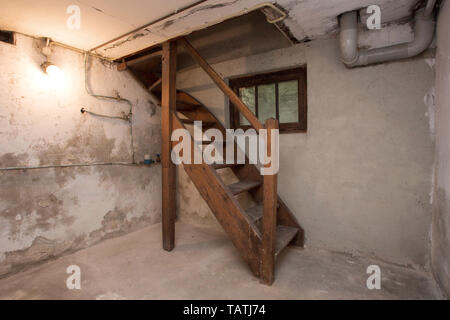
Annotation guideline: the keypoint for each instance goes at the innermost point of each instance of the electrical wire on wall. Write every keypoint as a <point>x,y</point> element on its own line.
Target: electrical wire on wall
<point>124,116</point>
<point>127,117</point>
<point>51,166</point>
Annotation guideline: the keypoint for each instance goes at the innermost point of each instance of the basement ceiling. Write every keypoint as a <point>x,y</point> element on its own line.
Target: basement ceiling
<point>241,36</point>
<point>101,20</point>
<point>113,27</point>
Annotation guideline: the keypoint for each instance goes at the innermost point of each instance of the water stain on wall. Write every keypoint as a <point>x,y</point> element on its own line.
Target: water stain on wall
<point>11,159</point>
<point>25,198</point>
<point>89,142</point>
<point>48,212</point>
<point>115,223</point>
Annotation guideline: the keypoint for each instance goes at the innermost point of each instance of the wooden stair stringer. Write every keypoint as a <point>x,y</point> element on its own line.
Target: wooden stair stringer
<point>201,113</point>
<point>243,233</point>
<point>249,171</point>
<point>284,215</point>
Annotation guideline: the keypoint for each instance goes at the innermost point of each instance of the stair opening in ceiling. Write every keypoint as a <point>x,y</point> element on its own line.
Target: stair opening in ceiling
<point>242,36</point>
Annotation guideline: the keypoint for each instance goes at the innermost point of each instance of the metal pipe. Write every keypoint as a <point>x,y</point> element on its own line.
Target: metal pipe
<point>51,166</point>
<point>429,8</point>
<point>118,98</point>
<point>353,57</point>
<point>349,38</point>
<point>124,116</point>
<point>283,14</point>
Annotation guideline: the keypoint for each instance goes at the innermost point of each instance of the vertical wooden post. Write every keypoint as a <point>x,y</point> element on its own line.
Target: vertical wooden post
<point>168,106</point>
<point>269,219</point>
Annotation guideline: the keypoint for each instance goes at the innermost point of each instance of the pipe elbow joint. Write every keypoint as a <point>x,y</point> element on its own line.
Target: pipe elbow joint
<point>424,34</point>
<point>348,38</point>
<point>349,51</point>
<point>351,56</point>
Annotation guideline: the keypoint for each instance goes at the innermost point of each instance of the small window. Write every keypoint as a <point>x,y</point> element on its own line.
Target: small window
<point>7,36</point>
<point>279,95</point>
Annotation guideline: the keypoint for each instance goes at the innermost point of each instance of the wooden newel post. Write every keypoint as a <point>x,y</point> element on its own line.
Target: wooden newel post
<point>269,220</point>
<point>168,106</point>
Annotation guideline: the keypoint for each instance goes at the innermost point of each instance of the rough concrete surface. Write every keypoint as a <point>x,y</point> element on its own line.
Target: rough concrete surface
<point>360,179</point>
<point>440,230</point>
<point>136,267</point>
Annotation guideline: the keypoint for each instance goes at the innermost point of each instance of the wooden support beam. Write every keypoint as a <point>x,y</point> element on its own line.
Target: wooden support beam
<point>168,107</point>
<point>155,84</point>
<point>269,219</point>
<point>152,55</point>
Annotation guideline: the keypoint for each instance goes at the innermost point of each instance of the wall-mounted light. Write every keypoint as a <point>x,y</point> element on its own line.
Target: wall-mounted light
<point>48,67</point>
<point>52,70</point>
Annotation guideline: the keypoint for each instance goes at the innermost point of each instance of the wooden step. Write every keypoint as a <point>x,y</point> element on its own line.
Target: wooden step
<point>205,124</point>
<point>225,165</point>
<point>242,186</point>
<point>255,213</point>
<point>205,142</point>
<point>285,235</point>
<point>186,106</point>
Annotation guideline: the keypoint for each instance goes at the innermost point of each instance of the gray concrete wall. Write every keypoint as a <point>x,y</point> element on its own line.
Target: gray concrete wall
<point>359,181</point>
<point>46,212</point>
<point>440,236</point>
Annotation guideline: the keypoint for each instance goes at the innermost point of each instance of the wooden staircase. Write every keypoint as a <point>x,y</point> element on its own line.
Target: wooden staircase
<point>259,233</point>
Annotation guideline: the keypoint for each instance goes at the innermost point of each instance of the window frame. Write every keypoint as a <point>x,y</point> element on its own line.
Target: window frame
<point>298,73</point>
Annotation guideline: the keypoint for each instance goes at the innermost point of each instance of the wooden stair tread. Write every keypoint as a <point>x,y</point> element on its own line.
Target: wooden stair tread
<point>255,213</point>
<point>242,186</point>
<point>186,106</point>
<point>225,165</point>
<point>285,235</point>
<point>206,142</point>
<point>204,123</point>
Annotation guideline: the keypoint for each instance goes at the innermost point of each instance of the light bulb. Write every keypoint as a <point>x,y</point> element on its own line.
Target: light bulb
<point>52,71</point>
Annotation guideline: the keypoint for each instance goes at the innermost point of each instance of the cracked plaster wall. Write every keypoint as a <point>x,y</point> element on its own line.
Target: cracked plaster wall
<point>47,212</point>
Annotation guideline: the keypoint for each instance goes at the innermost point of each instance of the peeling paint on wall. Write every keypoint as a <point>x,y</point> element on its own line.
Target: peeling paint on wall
<point>48,212</point>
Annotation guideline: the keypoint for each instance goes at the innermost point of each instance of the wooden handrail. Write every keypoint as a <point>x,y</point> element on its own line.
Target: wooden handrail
<point>246,112</point>
<point>269,219</point>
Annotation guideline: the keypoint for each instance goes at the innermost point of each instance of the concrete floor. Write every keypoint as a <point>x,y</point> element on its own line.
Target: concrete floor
<point>205,265</point>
